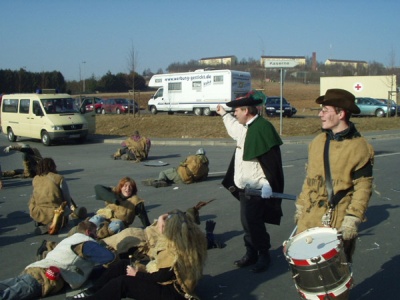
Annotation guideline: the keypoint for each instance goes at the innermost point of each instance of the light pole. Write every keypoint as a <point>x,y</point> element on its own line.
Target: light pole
<point>83,75</point>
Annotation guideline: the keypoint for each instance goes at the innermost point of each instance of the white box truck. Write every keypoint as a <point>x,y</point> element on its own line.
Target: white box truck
<point>199,92</point>
<point>383,86</point>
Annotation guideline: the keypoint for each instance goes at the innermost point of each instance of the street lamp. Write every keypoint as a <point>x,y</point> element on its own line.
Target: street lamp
<point>83,75</point>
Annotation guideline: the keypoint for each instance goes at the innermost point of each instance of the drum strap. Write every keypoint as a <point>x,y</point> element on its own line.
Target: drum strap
<point>333,199</point>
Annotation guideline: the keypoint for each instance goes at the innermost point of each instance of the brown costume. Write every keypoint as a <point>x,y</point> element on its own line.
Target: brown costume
<point>46,197</point>
<point>346,158</point>
<point>194,168</point>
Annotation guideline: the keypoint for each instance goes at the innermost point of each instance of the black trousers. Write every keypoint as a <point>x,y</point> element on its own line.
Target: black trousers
<point>114,284</point>
<point>256,237</point>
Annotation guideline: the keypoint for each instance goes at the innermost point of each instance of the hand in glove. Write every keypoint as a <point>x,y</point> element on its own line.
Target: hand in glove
<point>7,149</point>
<point>349,228</point>
<point>298,213</point>
<point>266,191</point>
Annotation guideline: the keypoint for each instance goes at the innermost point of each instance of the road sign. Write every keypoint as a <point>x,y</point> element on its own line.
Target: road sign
<point>278,64</point>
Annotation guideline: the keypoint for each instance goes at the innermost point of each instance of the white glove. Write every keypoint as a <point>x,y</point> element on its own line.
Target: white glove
<point>7,149</point>
<point>349,227</point>
<point>266,191</point>
<point>299,212</point>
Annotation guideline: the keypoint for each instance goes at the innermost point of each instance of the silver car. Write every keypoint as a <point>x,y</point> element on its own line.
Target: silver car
<point>373,107</point>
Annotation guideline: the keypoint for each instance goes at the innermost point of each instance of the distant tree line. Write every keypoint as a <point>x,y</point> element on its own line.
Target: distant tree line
<point>22,81</point>
<point>28,82</point>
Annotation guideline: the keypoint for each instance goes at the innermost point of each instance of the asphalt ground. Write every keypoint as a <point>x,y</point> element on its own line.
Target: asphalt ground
<point>376,260</point>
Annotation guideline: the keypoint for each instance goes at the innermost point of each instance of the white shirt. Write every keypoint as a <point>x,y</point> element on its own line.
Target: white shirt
<point>246,172</point>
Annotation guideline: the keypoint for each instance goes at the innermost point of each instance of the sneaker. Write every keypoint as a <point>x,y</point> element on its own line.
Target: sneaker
<point>82,295</point>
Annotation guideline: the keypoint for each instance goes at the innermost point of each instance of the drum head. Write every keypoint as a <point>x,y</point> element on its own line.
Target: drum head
<point>313,242</point>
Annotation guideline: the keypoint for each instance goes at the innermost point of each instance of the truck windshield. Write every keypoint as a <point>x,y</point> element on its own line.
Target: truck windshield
<point>59,105</point>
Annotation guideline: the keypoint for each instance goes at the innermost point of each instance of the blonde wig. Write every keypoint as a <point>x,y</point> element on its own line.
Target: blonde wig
<point>184,238</point>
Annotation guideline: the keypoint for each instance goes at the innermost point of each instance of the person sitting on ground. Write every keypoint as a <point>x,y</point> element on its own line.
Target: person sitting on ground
<point>51,201</point>
<point>180,254</point>
<point>193,169</point>
<point>135,147</point>
<point>122,206</point>
<point>30,158</point>
<point>71,262</point>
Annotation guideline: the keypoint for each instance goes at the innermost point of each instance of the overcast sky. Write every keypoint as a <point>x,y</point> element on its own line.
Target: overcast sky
<point>92,37</point>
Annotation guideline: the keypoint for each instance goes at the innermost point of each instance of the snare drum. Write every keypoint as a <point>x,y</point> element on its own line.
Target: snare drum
<point>318,263</point>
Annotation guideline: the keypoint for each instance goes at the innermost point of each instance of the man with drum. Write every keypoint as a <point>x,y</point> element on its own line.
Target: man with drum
<point>338,183</point>
<point>256,164</point>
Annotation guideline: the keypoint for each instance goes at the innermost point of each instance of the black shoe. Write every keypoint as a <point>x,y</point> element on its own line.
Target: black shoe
<point>159,183</point>
<point>245,261</point>
<point>42,248</point>
<point>262,264</point>
<point>82,295</point>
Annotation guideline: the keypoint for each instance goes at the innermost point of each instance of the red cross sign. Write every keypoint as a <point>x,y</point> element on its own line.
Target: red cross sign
<point>358,87</point>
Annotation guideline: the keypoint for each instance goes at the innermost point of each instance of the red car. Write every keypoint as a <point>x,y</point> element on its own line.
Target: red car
<point>119,106</point>
<point>92,103</point>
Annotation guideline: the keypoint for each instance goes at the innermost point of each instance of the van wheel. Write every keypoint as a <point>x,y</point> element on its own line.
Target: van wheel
<point>118,111</point>
<point>198,111</point>
<point>10,135</point>
<point>45,138</point>
<point>103,111</point>
<point>153,110</point>
<point>207,111</point>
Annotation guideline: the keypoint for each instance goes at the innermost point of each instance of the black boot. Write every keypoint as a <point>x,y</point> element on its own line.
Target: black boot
<point>263,262</point>
<point>250,258</point>
<point>142,214</point>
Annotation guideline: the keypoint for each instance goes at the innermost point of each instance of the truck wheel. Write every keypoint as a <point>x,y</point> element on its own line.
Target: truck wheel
<point>10,135</point>
<point>98,111</point>
<point>198,111</point>
<point>153,110</point>
<point>118,111</point>
<point>379,113</point>
<point>207,111</point>
<point>45,138</point>
<point>103,111</point>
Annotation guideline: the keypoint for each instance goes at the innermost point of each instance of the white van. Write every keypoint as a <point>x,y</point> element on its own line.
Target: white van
<point>45,116</point>
<point>199,92</point>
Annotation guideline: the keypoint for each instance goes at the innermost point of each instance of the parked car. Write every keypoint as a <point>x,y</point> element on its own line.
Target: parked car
<point>372,107</point>
<point>92,103</point>
<point>119,106</point>
<point>273,105</point>
<point>392,103</point>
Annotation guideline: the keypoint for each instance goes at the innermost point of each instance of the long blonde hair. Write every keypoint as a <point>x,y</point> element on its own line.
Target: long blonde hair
<point>183,237</point>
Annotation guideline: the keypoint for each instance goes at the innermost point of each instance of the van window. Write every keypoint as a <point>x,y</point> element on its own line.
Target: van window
<point>10,105</point>
<point>175,87</point>
<point>37,110</point>
<point>159,93</point>
<point>24,106</point>
<point>219,79</point>
<point>60,105</point>
<point>196,86</point>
